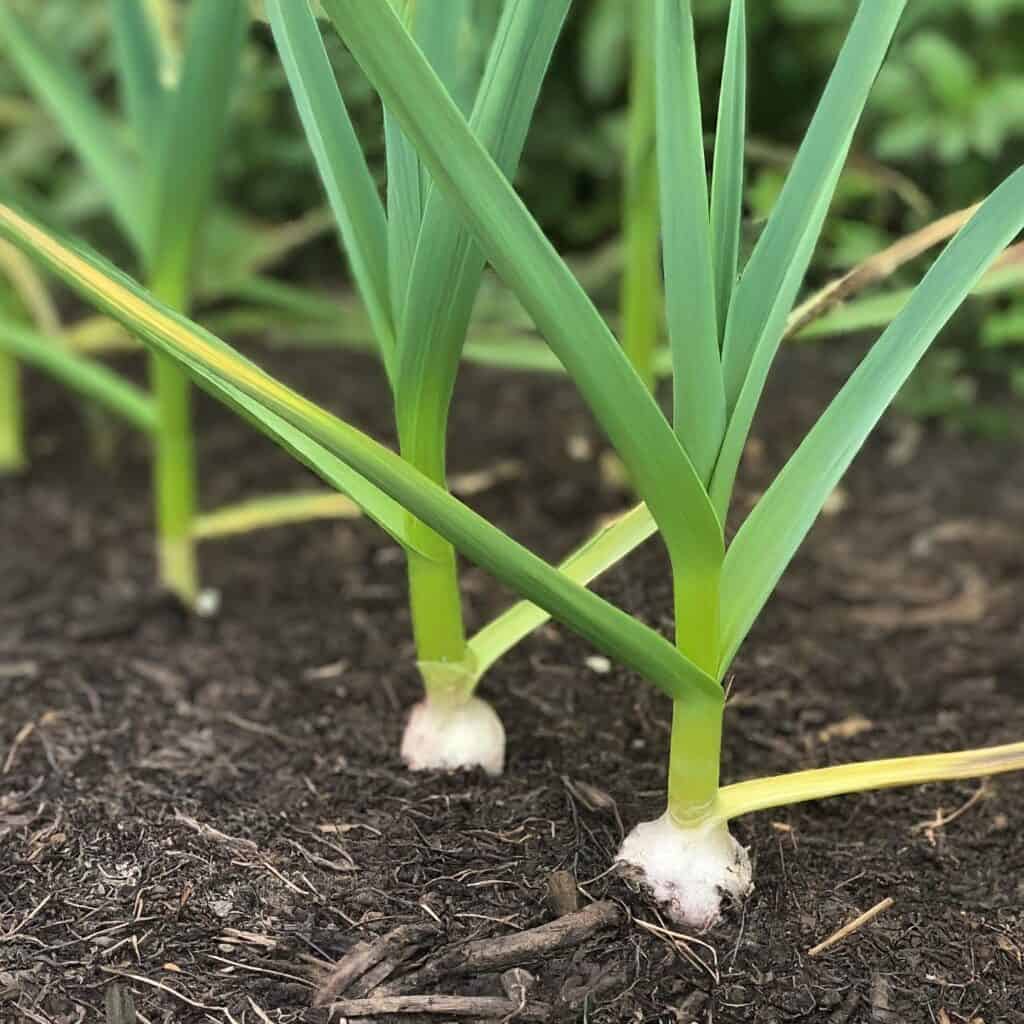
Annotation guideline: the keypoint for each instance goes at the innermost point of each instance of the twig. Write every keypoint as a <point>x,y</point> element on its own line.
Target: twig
<point>259,1011</point>
<point>512,950</point>
<point>854,925</point>
<point>20,737</point>
<point>259,970</point>
<point>876,268</point>
<point>31,914</point>
<point>163,988</point>
<point>365,956</point>
<point>941,820</point>
<point>209,832</point>
<point>477,1007</point>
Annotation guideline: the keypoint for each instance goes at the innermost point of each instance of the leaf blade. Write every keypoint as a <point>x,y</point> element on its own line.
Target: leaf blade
<point>727,169</point>
<point>641,288</point>
<point>339,158</point>
<point>772,532</point>
<point>272,511</point>
<point>699,395</point>
<point>186,153</point>
<point>435,29</point>
<point>448,265</point>
<point>595,556</point>
<point>766,291</point>
<point>91,379</point>
<point>138,63</point>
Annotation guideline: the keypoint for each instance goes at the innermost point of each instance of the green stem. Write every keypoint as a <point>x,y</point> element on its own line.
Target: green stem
<point>12,436</point>
<point>174,462</point>
<point>695,748</point>
<point>641,280</point>
<point>434,600</point>
<point>436,608</point>
<point>694,755</point>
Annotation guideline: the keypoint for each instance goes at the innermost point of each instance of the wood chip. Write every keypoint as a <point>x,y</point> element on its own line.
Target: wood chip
<point>846,729</point>
<point>563,896</point>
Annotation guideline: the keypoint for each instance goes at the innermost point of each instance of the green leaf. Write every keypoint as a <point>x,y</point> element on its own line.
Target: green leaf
<point>378,506</point>
<point>563,313</point>
<point>138,61</point>
<point>65,94</point>
<point>91,379</point>
<point>448,265</point>
<point>641,291</point>
<point>406,190</point>
<point>699,398</point>
<point>185,157</point>
<point>272,511</point>
<point>225,373</point>
<point>770,282</point>
<point>772,532</point>
<point>727,170</point>
<point>339,159</point>
<point>435,28</point>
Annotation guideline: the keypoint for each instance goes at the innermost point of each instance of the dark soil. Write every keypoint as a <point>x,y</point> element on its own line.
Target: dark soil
<point>201,812</point>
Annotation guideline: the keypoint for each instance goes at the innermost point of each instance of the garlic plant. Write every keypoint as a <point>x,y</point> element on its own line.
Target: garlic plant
<point>154,162</point>
<point>418,270</point>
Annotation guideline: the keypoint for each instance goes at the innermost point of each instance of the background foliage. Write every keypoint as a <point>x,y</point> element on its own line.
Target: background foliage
<point>944,125</point>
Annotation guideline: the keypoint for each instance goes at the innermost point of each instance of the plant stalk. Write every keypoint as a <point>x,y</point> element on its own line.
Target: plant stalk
<point>12,431</point>
<point>641,277</point>
<point>695,751</point>
<point>174,461</point>
<point>695,747</point>
<point>435,603</point>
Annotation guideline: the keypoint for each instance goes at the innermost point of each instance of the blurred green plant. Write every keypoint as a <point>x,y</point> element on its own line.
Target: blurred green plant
<point>150,166</point>
<point>948,112</point>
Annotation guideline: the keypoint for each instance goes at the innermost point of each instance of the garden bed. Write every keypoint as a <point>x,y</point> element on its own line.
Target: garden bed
<point>196,810</point>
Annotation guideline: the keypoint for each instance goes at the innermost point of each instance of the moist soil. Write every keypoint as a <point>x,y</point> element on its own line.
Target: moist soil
<point>199,816</point>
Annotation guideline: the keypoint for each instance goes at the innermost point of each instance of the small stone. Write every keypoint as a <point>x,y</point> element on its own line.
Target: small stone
<point>207,603</point>
<point>579,448</point>
<point>599,663</point>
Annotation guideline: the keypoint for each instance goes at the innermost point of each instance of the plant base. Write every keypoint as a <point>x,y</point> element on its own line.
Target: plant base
<point>447,737</point>
<point>688,870</point>
<point>177,567</point>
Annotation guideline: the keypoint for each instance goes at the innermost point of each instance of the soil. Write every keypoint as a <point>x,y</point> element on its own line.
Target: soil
<point>196,816</point>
